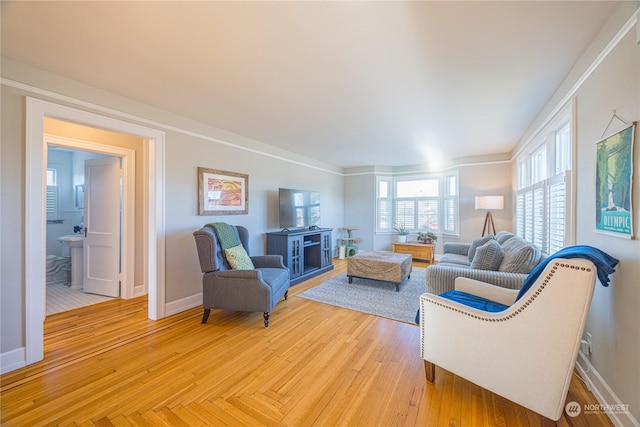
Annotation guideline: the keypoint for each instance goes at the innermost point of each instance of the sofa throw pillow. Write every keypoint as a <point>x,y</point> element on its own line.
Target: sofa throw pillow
<point>503,236</point>
<point>476,244</point>
<point>238,258</point>
<point>520,256</point>
<point>488,256</point>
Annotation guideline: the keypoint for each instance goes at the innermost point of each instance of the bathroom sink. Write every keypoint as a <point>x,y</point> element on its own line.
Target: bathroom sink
<point>75,243</point>
<point>72,240</point>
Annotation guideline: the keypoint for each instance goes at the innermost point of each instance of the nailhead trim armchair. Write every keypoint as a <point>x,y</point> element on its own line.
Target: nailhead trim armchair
<point>525,353</point>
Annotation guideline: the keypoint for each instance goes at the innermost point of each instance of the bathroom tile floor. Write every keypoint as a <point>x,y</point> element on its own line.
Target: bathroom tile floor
<point>61,298</point>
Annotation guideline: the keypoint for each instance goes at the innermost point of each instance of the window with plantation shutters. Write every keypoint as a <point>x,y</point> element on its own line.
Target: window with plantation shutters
<point>539,223</point>
<point>418,203</point>
<point>384,214</point>
<point>384,208</point>
<point>543,199</point>
<point>541,213</point>
<point>52,202</point>
<point>450,206</point>
<point>557,203</point>
<point>405,213</point>
<point>53,195</point>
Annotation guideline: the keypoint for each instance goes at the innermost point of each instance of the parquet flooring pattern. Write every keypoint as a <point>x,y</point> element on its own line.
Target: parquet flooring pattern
<point>316,365</point>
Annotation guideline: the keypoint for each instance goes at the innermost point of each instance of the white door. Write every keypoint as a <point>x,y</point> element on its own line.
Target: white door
<point>102,226</point>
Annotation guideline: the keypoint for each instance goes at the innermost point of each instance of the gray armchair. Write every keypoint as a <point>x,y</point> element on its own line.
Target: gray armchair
<point>240,290</point>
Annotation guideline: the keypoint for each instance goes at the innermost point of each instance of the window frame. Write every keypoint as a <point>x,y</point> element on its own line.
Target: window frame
<point>389,205</point>
<point>554,182</point>
<point>53,196</point>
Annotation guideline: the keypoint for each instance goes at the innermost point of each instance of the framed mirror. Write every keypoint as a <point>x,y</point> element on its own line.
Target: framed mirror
<point>80,196</point>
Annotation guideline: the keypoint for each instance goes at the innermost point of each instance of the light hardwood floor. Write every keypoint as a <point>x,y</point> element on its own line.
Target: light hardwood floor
<point>316,365</point>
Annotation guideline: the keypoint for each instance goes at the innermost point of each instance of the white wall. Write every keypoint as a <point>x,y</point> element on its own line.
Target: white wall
<point>266,175</point>
<point>614,317</point>
<point>189,144</point>
<point>360,207</point>
<point>483,178</point>
<point>491,178</point>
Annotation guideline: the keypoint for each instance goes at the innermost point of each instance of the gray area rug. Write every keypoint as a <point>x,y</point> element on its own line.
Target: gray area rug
<point>373,296</point>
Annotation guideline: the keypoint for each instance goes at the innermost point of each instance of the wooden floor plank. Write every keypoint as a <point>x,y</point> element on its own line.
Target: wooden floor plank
<point>316,365</point>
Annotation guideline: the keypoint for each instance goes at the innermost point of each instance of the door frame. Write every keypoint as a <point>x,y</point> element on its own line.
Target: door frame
<point>127,239</point>
<point>35,213</point>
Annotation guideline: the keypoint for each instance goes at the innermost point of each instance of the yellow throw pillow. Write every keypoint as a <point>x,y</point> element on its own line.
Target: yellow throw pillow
<point>238,258</point>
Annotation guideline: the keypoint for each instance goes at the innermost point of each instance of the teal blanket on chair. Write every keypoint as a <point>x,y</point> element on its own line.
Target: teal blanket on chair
<point>225,233</point>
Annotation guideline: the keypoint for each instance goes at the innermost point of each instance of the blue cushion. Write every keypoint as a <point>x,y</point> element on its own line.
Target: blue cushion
<point>474,301</point>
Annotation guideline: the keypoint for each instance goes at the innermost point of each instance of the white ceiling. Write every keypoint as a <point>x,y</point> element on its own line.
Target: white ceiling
<point>348,83</point>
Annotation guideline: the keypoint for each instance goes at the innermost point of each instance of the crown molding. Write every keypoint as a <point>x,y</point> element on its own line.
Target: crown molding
<point>79,103</point>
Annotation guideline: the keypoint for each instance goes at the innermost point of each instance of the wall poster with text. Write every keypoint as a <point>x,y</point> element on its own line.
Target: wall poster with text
<point>614,174</point>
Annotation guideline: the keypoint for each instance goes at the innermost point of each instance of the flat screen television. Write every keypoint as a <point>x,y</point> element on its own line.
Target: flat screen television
<point>299,208</point>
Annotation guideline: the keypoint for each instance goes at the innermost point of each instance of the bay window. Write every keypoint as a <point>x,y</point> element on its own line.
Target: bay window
<point>420,203</point>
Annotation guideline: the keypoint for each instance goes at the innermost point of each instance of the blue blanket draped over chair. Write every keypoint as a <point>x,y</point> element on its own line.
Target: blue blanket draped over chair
<point>605,265</point>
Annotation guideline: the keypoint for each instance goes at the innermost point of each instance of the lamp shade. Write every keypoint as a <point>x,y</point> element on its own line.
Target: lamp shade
<point>490,202</point>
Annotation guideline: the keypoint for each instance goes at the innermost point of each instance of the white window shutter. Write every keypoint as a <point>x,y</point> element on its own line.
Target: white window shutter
<point>53,202</point>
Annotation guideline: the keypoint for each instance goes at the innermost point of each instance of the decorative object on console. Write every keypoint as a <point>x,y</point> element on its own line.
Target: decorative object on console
<point>489,203</point>
<point>222,192</point>
<point>402,231</point>
<point>427,237</point>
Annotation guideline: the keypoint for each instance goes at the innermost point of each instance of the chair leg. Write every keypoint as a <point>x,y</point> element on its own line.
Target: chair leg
<point>205,316</point>
<point>430,371</point>
<point>286,295</point>
<point>266,319</point>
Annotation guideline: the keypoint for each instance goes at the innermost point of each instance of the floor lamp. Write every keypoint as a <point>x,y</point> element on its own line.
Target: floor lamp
<point>489,203</point>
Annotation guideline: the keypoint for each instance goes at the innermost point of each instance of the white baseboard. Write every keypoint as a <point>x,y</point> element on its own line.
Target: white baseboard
<point>139,290</point>
<point>12,360</point>
<point>612,405</point>
<point>183,304</point>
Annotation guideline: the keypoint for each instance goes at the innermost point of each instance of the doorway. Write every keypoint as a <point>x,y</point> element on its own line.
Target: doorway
<point>81,197</point>
<point>153,210</point>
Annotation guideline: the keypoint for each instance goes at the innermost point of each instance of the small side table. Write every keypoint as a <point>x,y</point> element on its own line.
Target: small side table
<point>417,250</point>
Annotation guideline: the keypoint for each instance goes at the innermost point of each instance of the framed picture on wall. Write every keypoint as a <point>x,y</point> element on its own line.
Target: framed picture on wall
<point>222,193</point>
<point>614,174</point>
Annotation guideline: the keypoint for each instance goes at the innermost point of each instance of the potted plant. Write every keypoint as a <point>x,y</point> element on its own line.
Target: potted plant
<point>428,237</point>
<point>402,231</point>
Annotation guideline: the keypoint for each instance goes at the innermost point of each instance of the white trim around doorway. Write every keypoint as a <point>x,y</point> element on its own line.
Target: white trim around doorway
<point>127,244</point>
<point>35,231</point>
